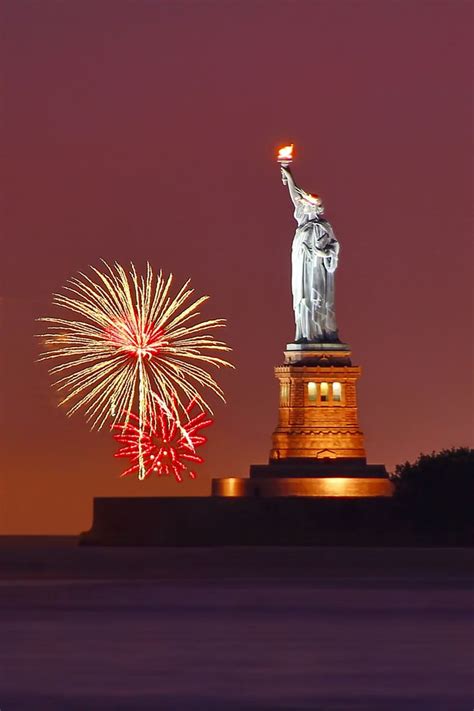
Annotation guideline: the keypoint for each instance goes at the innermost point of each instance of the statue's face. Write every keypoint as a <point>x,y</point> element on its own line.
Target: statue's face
<point>312,208</point>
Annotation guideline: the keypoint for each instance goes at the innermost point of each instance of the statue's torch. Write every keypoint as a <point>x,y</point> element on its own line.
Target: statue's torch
<point>285,157</point>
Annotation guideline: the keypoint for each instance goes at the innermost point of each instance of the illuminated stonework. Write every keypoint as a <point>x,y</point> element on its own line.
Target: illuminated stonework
<point>317,414</point>
<point>317,447</point>
<point>353,487</point>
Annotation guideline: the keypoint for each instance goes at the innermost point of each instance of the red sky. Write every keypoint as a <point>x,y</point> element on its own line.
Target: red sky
<point>146,131</point>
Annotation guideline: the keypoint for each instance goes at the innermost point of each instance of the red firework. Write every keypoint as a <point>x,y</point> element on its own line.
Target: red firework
<point>167,446</point>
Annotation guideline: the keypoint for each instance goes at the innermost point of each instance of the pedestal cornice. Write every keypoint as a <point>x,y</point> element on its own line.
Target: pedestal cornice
<point>324,354</point>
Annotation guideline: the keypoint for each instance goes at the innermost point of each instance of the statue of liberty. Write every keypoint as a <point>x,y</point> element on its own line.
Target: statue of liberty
<point>314,258</point>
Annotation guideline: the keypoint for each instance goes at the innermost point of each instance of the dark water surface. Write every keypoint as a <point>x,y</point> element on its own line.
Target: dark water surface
<point>324,629</point>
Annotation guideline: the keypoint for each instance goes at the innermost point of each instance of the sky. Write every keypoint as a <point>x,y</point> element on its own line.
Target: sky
<point>146,131</point>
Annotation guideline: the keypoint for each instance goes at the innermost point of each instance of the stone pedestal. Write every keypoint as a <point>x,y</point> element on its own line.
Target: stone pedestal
<point>317,415</point>
<point>317,447</point>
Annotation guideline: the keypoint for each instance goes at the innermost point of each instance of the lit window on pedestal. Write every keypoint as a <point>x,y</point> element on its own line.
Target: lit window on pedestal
<point>312,392</point>
<point>324,392</point>
<point>337,392</point>
<point>285,394</point>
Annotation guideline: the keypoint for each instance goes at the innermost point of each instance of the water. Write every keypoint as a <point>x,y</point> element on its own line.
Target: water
<point>234,629</point>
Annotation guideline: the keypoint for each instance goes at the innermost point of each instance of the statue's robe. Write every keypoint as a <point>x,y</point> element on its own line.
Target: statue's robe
<point>314,260</point>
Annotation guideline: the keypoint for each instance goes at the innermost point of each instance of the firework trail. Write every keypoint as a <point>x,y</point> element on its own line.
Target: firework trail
<point>131,338</point>
<point>166,447</point>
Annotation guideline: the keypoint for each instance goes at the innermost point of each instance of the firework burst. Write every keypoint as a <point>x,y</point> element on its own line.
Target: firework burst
<point>131,338</point>
<point>166,447</point>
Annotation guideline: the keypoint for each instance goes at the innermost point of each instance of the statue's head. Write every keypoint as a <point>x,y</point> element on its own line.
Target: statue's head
<point>312,204</point>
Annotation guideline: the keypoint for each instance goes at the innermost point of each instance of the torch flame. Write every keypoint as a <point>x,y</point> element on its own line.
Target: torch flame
<point>286,153</point>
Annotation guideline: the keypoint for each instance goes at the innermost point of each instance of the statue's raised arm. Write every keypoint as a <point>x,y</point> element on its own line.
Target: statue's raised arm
<point>293,189</point>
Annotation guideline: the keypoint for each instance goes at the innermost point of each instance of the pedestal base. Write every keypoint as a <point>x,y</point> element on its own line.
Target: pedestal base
<point>346,487</point>
<point>350,478</point>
